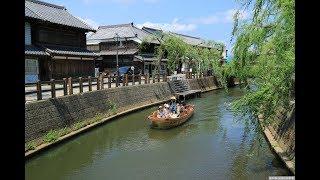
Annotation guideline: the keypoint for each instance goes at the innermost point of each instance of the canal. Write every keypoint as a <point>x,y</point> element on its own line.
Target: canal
<point>211,145</point>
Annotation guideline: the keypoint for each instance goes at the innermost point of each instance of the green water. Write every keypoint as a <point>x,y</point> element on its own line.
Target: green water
<point>211,145</point>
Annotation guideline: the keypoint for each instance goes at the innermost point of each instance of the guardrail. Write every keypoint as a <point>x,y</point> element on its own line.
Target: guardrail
<point>69,86</point>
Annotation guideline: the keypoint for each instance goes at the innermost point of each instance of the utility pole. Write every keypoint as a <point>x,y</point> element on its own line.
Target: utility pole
<point>117,80</point>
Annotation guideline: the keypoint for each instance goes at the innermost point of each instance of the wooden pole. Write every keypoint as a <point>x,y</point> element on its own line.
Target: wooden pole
<point>80,85</point>
<point>65,86</point>
<point>102,81</point>
<point>90,83</point>
<point>109,81</point>
<point>70,86</point>
<point>39,91</point>
<point>126,77</point>
<point>124,80</point>
<point>139,78</point>
<point>145,79</point>
<point>133,79</point>
<point>98,83</point>
<point>53,88</point>
<point>158,77</point>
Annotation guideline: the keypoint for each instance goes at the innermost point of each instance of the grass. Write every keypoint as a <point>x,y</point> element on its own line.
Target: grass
<point>54,135</point>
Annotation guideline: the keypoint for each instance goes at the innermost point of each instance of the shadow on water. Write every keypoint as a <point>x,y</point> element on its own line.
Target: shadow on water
<point>210,145</point>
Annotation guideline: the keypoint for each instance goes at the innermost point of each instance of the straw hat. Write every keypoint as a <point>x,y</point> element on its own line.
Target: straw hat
<point>173,97</point>
<point>160,107</point>
<point>166,105</point>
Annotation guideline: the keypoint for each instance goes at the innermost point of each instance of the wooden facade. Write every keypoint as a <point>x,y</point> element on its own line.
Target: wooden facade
<point>55,43</point>
<point>59,66</point>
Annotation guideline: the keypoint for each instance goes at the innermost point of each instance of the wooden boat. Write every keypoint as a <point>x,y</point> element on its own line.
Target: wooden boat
<point>166,123</point>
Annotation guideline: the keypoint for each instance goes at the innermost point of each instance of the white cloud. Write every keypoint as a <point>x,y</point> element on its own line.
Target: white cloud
<point>90,22</point>
<point>174,26</point>
<point>221,17</point>
<point>208,20</point>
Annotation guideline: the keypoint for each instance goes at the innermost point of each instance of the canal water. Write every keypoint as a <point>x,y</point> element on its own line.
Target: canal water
<point>211,145</point>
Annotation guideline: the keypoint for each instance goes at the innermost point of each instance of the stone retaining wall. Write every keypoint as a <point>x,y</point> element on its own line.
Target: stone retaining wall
<point>206,83</point>
<point>52,114</point>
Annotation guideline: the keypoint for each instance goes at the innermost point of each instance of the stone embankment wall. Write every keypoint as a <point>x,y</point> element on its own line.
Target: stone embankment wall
<point>57,113</point>
<point>283,132</point>
<point>205,84</point>
<point>52,114</point>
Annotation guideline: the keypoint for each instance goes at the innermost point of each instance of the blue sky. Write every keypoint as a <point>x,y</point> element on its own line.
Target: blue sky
<point>207,19</point>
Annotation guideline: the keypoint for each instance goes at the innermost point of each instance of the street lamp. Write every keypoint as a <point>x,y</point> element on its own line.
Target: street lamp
<point>117,79</point>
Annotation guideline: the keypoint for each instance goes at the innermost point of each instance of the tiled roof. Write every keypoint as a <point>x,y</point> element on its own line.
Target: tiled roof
<point>189,39</point>
<point>69,51</point>
<point>196,41</point>
<point>123,31</point>
<point>54,14</point>
<point>140,58</point>
<point>33,50</point>
<point>156,32</point>
<point>120,52</point>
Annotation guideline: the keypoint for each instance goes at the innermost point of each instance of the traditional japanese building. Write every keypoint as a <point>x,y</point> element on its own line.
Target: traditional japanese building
<point>55,43</point>
<point>123,40</point>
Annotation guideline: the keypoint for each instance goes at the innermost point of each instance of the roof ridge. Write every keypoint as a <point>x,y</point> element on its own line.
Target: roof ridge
<point>89,27</point>
<point>151,28</point>
<point>115,25</point>
<point>185,35</point>
<point>48,4</point>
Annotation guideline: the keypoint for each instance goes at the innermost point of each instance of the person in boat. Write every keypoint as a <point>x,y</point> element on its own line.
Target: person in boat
<point>173,105</point>
<point>166,110</point>
<point>160,113</point>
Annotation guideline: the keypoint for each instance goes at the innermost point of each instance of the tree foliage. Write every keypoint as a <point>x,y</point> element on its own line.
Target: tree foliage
<point>176,50</point>
<point>264,57</point>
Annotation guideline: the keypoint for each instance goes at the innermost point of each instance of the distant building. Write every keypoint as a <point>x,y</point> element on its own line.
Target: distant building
<point>122,39</point>
<point>194,41</point>
<point>55,43</point>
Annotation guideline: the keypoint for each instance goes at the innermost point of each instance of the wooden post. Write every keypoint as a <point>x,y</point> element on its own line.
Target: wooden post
<point>158,77</point>
<point>165,77</point>
<point>70,86</point>
<point>153,78</point>
<point>39,91</point>
<point>126,77</point>
<point>133,79</point>
<point>98,83</point>
<point>124,80</point>
<point>139,78</point>
<point>53,88</point>
<point>101,81</point>
<point>146,79</point>
<point>116,82</point>
<point>80,85</point>
<point>90,83</point>
<point>65,86</point>
<point>109,81</point>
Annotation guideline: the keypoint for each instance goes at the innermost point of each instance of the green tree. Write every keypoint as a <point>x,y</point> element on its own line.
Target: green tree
<point>264,57</point>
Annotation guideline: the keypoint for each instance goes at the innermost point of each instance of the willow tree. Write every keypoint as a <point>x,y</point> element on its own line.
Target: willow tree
<point>171,46</point>
<point>264,57</point>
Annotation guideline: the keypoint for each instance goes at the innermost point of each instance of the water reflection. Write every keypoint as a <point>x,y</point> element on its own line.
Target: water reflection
<point>210,145</point>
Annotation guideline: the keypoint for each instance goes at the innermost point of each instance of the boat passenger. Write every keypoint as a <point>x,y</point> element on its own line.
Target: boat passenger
<point>166,111</point>
<point>160,113</point>
<point>173,105</point>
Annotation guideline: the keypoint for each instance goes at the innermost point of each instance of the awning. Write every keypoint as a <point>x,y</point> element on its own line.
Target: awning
<point>141,58</point>
<point>69,51</point>
<point>120,52</point>
<point>33,50</point>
